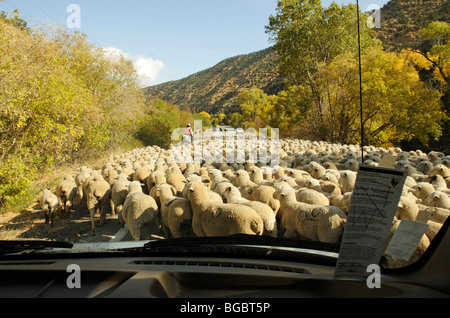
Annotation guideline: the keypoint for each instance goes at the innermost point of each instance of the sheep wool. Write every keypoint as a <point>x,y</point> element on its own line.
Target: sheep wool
<point>66,192</point>
<point>233,195</point>
<point>175,213</point>
<point>49,202</point>
<point>312,222</point>
<point>140,212</point>
<point>213,219</point>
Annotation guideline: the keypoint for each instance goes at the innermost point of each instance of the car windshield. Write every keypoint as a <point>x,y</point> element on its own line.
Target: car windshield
<point>296,121</point>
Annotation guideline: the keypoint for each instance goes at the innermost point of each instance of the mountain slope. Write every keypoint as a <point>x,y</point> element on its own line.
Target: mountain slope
<point>401,21</point>
<point>215,89</point>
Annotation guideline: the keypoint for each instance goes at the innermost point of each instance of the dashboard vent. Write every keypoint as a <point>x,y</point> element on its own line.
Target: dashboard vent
<point>210,264</point>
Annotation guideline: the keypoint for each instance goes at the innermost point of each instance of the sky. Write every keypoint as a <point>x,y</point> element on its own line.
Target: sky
<point>166,39</point>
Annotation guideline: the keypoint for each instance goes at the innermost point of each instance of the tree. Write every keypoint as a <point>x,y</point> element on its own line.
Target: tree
<point>305,35</point>
<point>290,108</point>
<point>256,107</point>
<point>61,99</point>
<point>436,61</point>
<point>393,96</point>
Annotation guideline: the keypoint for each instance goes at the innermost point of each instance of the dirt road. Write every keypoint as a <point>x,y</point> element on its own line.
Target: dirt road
<point>74,228</point>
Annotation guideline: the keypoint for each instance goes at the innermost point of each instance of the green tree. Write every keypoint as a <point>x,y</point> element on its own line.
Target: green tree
<point>256,107</point>
<point>305,35</point>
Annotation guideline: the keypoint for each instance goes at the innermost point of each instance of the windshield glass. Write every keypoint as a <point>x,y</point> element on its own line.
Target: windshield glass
<point>291,119</point>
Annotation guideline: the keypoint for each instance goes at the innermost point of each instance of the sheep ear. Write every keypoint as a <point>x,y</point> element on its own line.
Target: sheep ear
<point>191,189</point>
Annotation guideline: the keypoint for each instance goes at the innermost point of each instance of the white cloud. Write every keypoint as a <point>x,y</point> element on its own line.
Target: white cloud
<point>147,68</point>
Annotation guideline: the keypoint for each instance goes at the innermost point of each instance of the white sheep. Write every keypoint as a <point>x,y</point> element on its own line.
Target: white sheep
<point>347,180</point>
<point>175,212</point>
<point>255,192</point>
<point>177,179</point>
<point>49,203</point>
<point>407,208</point>
<point>119,192</point>
<point>311,196</point>
<point>215,219</point>
<point>233,195</point>
<point>141,174</point>
<point>313,222</point>
<point>423,190</point>
<point>256,175</point>
<point>438,199</point>
<point>66,192</point>
<point>342,201</point>
<point>434,214</point>
<point>80,179</point>
<point>196,178</point>
<point>140,212</point>
<point>98,198</point>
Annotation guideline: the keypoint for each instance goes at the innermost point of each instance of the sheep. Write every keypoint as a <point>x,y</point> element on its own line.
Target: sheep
<point>347,180</point>
<point>213,219</point>
<point>442,170</point>
<point>256,176</point>
<point>141,174</point>
<point>313,222</point>
<point>175,212</point>
<point>177,179</point>
<point>434,214</point>
<point>341,201</point>
<point>439,183</point>
<point>66,192</point>
<point>155,178</point>
<point>98,197</point>
<point>318,171</point>
<point>196,178</point>
<point>311,196</point>
<point>254,192</point>
<point>423,190</point>
<point>89,180</point>
<point>407,209</point>
<point>233,195</point>
<point>140,212</point>
<point>119,192</point>
<point>80,179</point>
<point>438,199</point>
<point>112,177</point>
<point>49,203</point>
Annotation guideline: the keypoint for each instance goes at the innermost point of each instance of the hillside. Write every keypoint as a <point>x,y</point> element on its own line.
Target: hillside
<point>215,89</point>
<point>401,21</point>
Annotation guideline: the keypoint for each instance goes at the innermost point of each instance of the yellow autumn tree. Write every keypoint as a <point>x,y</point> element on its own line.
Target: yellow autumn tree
<point>397,105</point>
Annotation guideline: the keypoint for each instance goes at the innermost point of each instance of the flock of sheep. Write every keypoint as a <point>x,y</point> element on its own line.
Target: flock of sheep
<point>307,196</point>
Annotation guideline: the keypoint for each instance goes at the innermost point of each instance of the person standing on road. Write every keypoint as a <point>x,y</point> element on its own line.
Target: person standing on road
<point>188,132</point>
